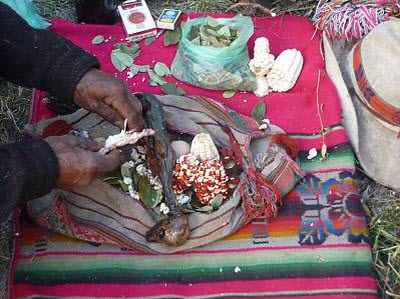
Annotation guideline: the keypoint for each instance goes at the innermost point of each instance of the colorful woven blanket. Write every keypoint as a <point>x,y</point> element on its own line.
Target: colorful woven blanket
<point>317,247</point>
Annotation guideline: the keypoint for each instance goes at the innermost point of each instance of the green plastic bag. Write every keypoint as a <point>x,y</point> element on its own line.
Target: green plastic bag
<point>26,10</point>
<point>216,68</point>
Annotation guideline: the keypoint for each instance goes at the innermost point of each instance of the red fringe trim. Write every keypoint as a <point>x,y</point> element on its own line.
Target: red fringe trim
<point>287,143</point>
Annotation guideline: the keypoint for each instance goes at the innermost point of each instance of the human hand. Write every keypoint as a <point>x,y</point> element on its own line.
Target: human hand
<point>79,162</point>
<point>102,93</point>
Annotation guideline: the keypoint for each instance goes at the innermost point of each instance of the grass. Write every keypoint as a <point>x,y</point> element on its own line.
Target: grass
<point>382,204</point>
<point>383,211</point>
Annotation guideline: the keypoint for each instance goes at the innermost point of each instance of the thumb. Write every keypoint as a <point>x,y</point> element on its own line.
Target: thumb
<point>107,162</point>
<point>89,144</point>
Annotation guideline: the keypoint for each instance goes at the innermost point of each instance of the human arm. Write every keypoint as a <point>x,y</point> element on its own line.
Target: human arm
<point>32,168</point>
<point>47,61</point>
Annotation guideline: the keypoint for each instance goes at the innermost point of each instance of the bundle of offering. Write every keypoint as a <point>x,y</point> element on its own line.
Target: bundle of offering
<point>185,183</point>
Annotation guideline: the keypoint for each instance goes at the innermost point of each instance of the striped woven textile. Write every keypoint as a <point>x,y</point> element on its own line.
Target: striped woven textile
<point>317,247</point>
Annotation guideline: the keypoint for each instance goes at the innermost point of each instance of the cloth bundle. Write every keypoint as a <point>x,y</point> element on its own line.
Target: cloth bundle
<point>103,214</point>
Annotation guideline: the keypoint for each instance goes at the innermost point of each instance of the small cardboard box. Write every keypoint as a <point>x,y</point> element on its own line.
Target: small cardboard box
<point>137,19</point>
<point>168,19</point>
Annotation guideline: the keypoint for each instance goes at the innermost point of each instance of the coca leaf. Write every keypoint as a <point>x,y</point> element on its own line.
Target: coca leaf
<point>172,89</point>
<point>194,33</point>
<point>134,69</point>
<point>143,68</point>
<point>259,111</point>
<point>150,197</point>
<point>125,172</point>
<point>152,83</point>
<point>124,186</point>
<point>172,37</point>
<point>162,69</point>
<point>132,50</point>
<point>196,41</point>
<point>224,31</point>
<point>229,93</point>
<point>98,40</point>
<point>217,201</point>
<point>155,78</point>
<point>121,60</point>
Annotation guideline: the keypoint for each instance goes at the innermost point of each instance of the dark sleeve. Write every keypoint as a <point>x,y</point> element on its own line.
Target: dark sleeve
<point>28,169</point>
<point>40,58</point>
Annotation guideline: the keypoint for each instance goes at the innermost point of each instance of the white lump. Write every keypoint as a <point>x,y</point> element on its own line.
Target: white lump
<point>274,75</point>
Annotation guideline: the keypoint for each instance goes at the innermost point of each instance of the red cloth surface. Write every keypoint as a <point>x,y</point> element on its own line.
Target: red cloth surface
<point>295,111</point>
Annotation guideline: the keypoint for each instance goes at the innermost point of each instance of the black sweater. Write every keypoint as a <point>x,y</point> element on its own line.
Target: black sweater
<point>41,59</point>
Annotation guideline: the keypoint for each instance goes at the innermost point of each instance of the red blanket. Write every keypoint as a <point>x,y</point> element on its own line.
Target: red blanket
<point>317,247</point>
<point>295,111</point>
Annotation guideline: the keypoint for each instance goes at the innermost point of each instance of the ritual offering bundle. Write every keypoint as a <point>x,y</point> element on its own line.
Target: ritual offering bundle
<point>213,54</point>
<point>205,173</point>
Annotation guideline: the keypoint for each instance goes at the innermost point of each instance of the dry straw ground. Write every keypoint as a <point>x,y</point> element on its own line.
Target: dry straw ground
<point>382,204</point>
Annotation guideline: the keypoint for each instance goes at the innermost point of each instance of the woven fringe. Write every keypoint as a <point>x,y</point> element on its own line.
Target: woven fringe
<point>352,20</point>
<point>259,196</point>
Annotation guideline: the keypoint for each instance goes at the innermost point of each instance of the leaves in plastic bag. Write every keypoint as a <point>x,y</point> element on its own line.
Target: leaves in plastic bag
<point>162,69</point>
<point>224,31</point>
<point>213,34</point>
<point>172,89</point>
<point>172,37</point>
<point>229,93</point>
<point>194,33</point>
<point>196,41</point>
<point>212,22</point>
<point>98,40</point>
<point>259,111</point>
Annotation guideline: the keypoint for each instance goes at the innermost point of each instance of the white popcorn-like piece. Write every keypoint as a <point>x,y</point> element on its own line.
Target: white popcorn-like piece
<point>286,70</point>
<point>262,87</point>
<point>124,138</point>
<point>263,60</point>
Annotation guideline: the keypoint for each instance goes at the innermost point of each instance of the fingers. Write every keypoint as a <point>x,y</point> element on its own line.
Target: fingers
<point>73,141</point>
<point>128,107</point>
<point>107,162</point>
<point>111,115</point>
